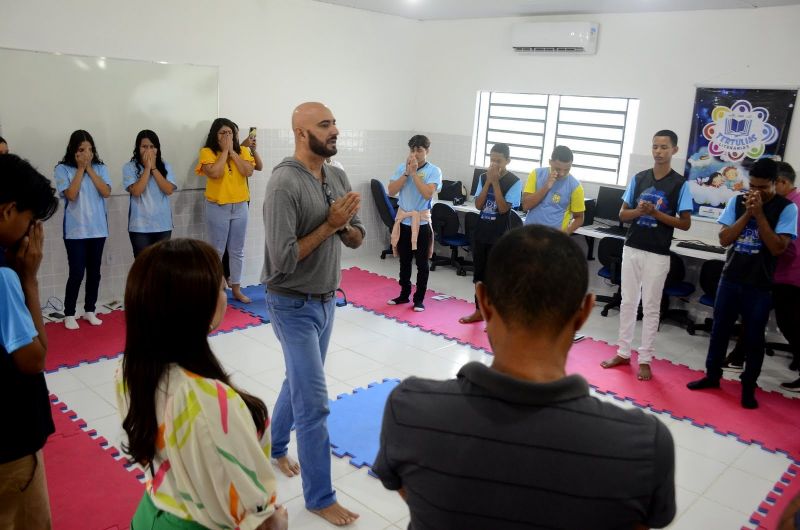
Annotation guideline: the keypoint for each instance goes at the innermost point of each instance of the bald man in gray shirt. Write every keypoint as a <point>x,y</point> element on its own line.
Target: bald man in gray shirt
<point>309,211</point>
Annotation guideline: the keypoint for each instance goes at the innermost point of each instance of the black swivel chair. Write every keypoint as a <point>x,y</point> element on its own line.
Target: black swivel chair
<point>674,286</point>
<point>386,209</point>
<point>710,273</point>
<point>588,220</point>
<point>446,226</point>
<point>609,252</point>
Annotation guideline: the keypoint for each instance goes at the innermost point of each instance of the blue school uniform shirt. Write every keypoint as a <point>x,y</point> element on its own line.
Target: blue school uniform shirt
<point>85,217</point>
<point>16,325</point>
<point>512,197</point>
<point>149,212</point>
<point>410,199</point>
<point>565,198</point>
<point>749,241</point>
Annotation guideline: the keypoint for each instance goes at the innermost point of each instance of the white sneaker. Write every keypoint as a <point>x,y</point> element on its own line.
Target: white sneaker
<point>71,323</point>
<point>92,319</point>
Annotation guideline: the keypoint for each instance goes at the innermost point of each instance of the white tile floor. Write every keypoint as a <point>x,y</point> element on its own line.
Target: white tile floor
<point>720,481</point>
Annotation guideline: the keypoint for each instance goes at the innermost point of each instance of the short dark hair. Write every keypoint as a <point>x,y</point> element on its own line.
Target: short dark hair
<point>502,149</point>
<point>673,138</point>
<point>562,153</point>
<point>212,142</point>
<point>3,140</point>
<point>536,277</point>
<point>419,140</point>
<point>27,187</point>
<point>764,168</point>
<point>786,171</point>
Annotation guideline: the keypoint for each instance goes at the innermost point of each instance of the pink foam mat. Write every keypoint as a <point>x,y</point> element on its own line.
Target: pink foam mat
<point>68,348</point>
<point>774,425</point>
<point>88,483</point>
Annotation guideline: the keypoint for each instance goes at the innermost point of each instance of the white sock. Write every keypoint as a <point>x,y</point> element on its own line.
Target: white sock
<point>71,323</point>
<point>92,319</point>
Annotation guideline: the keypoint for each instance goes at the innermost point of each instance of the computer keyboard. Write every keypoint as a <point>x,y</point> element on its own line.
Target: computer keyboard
<point>701,246</point>
<point>613,230</point>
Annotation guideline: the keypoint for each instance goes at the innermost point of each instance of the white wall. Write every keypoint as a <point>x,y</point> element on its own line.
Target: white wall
<point>657,57</point>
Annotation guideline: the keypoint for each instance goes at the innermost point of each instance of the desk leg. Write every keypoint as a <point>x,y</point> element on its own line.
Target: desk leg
<point>590,246</point>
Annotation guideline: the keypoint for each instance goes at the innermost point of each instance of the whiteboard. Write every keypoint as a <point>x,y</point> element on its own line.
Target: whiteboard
<point>44,97</point>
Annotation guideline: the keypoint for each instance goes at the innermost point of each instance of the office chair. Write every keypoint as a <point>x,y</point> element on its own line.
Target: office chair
<point>710,273</point>
<point>386,209</point>
<point>609,252</point>
<point>588,220</point>
<point>674,286</point>
<point>445,224</point>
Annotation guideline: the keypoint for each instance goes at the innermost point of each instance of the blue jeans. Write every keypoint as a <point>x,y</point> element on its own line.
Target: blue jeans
<point>303,328</point>
<point>227,226</point>
<point>754,305</point>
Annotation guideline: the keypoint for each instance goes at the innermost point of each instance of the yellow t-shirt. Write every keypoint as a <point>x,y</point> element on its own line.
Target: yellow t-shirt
<point>552,211</point>
<point>232,187</point>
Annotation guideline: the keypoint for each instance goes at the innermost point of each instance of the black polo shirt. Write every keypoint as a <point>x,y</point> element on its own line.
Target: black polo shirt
<point>487,450</point>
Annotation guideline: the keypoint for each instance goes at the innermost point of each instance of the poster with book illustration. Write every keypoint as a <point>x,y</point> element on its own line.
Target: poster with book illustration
<point>731,129</point>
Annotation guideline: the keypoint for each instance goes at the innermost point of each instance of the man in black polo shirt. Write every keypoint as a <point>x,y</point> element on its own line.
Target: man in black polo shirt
<point>656,202</point>
<point>498,191</point>
<point>758,226</point>
<point>521,444</point>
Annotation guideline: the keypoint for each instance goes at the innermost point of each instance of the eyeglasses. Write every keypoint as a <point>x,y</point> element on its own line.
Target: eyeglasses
<point>328,193</point>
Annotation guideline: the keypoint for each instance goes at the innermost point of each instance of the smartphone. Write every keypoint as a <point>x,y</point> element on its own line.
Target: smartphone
<point>253,132</point>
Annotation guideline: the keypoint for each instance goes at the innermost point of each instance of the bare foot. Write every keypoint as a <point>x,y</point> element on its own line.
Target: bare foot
<point>288,466</point>
<point>336,514</point>
<point>644,372</point>
<point>239,295</point>
<point>615,361</point>
<point>474,317</point>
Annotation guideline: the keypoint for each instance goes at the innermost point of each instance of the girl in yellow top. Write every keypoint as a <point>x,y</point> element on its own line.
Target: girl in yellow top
<point>227,166</point>
<point>204,443</point>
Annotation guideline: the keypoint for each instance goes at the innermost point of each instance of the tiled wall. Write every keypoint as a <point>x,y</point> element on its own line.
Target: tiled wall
<point>364,154</point>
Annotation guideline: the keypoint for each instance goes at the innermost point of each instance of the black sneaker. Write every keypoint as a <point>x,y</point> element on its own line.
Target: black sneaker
<point>399,300</point>
<point>419,307</point>
<point>705,382</point>
<point>794,386</point>
<point>733,365</point>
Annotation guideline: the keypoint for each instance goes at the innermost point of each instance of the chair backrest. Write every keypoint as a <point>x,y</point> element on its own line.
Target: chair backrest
<point>444,220</point>
<point>588,215</point>
<point>677,270</point>
<point>382,203</point>
<point>514,220</point>
<point>710,273</point>
<point>470,222</point>
<point>609,252</point>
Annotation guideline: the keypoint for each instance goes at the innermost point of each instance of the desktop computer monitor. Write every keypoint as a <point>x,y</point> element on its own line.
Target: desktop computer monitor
<point>609,202</point>
<point>476,175</point>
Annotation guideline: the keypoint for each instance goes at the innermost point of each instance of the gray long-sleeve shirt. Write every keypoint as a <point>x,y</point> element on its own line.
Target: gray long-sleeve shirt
<point>294,206</point>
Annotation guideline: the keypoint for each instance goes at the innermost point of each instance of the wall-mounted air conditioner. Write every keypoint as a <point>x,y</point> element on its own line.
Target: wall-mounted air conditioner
<point>555,37</point>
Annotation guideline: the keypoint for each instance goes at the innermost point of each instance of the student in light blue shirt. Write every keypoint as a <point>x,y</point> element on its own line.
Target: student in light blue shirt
<point>82,180</point>
<point>26,199</point>
<point>150,181</point>
<point>415,181</point>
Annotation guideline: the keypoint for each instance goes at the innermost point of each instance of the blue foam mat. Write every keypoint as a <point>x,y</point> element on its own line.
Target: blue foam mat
<point>258,305</point>
<point>354,423</point>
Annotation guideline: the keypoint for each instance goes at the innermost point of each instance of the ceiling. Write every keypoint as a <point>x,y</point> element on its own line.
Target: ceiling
<point>457,9</point>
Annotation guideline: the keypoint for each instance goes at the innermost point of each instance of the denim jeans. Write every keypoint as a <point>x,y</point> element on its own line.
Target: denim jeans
<point>227,226</point>
<point>142,240</point>
<point>754,305</point>
<point>83,256</point>
<point>303,328</point>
